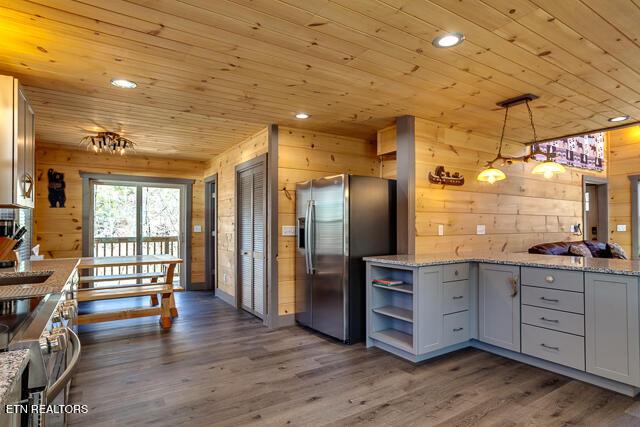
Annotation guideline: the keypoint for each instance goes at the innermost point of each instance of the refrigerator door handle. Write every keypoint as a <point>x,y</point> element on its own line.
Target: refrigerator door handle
<point>311,236</point>
<point>307,228</point>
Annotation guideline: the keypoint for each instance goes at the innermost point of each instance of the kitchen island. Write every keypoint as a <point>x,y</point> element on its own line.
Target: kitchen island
<point>37,278</point>
<point>574,316</point>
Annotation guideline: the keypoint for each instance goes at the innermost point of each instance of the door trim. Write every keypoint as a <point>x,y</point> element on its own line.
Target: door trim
<point>209,226</point>
<point>87,215</point>
<point>635,214</point>
<point>259,161</point>
<point>603,206</point>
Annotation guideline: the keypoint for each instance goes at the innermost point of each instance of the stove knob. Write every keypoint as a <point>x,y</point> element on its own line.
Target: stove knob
<point>44,342</point>
<point>69,309</point>
<point>58,340</point>
<point>56,317</point>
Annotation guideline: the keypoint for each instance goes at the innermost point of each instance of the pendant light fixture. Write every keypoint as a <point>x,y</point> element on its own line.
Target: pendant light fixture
<point>548,168</point>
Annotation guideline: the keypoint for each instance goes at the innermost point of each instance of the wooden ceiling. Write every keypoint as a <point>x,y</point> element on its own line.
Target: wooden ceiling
<point>211,73</point>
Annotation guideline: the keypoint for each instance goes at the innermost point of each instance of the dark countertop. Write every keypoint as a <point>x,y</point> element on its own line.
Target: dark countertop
<point>61,269</point>
<point>12,363</point>
<point>592,265</point>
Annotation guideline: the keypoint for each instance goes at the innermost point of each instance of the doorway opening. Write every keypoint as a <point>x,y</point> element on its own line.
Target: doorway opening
<point>130,216</point>
<point>595,202</point>
<point>251,236</point>
<point>211,228</point>
<point>635,216</point>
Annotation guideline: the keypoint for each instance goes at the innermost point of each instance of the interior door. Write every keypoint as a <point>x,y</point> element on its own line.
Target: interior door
<point>251,217</point>
<point>303,280</point>
<point>328,256</point>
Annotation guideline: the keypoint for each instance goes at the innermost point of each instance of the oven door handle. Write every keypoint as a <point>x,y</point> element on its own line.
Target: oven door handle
<point>59,385</point>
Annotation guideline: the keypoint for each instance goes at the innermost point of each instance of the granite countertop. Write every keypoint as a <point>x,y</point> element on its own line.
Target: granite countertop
<point>593,265</point>
<point>61,270</point>
<point>12,363</point>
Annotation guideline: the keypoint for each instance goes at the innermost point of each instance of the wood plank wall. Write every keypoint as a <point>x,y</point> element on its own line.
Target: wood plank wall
<point>624,160</point>
<point>59,230</point>
<point>306,155</point>
<point>519,212</point>
<point>224,165</point>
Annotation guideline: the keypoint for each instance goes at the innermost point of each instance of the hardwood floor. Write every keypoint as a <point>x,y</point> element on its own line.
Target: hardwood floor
<point>218,366</point>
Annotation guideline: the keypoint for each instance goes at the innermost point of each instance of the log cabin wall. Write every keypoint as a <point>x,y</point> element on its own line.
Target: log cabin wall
<point>624,160</point>
<point>304,155</point>
<point>225,166</point>
<point>518,213</point>
<point>59,230</point>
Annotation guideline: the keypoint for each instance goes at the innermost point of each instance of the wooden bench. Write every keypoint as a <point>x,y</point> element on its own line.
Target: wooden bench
<point>167,309</point>
<point>112,278</point>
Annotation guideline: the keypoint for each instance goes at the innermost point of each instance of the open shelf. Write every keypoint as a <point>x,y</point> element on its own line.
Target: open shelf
<point>395,312</point>
<point>406,288</point>
<point>395,338</point>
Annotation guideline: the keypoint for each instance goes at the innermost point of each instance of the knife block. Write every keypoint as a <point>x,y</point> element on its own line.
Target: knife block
<point>8,257</point>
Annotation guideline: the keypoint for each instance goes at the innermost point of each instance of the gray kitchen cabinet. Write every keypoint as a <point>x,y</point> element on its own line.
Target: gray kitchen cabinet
<point>429,310</point>
<point>17,145</point>
<point>499,306</point>
<point>612,332</point>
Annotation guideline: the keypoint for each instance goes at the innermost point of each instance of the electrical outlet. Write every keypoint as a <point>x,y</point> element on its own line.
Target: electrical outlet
<point>621,227</point>
<point>440,229</point>
<point>288,230</point>
<point>197,228</point>
<point>481,229</point>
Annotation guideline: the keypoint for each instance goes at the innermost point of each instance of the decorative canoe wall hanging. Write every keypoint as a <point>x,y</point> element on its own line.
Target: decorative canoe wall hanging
<point>442,177</point>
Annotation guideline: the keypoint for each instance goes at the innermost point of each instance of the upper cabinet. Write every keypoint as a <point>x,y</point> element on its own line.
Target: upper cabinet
<point>17,146</point>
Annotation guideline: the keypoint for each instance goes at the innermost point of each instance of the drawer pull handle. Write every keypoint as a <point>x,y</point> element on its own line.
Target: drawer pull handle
<point>458,297</point>
<point>550,347</point>
<point>549,279</point>
<point>550,320</point>
<point>455,273</point>
<point>457,329</point>
<point>549,299</point>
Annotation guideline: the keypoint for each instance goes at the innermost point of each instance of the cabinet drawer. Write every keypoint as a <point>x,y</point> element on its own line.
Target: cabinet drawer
<point>456,328</point>
<point>553,319</point>
<point>550,298</point>
<point>554,346</point>
<point>554,279</point>
<point>454,272</point>
<point>455,296</point>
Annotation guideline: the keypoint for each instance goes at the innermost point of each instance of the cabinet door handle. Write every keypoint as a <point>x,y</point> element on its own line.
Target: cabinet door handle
<point>549,279</point>
<point>549,299</point>
<point>455,273</point>
<point>28,186</point>
<point>458,297</point>
<point>457,329</point>
<point>549,320</point>
<point>514,287</point>
<point>550,347</point>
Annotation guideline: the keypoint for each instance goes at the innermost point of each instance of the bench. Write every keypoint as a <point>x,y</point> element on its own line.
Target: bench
<point>114,277</point>
<point>167,309</point>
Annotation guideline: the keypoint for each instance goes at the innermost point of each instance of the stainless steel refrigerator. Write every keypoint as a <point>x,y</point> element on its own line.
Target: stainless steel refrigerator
<point>340,219</point>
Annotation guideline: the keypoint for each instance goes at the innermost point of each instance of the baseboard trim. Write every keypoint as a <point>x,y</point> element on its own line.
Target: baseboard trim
<point>228,298</point>
<point>284,321</point>
<point>198,286</point>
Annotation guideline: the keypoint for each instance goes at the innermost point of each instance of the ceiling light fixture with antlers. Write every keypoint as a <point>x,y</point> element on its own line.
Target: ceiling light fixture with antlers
<point>108,142</point>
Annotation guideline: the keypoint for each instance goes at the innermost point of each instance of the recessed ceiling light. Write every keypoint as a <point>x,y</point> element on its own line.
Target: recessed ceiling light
<point>619,119</point>
<point>124,84</point>
<point>302,116</point>
<point>448,40</point>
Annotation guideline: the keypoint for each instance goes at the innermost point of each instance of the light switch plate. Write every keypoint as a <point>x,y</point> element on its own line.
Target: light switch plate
<point>621,227</point>
<point>197,228</point>
<point>288,230</point>
<point>440,229</point>
<point>481,229</point>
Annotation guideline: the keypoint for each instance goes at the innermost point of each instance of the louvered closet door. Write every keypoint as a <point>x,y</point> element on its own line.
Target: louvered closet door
<point>251,239</point>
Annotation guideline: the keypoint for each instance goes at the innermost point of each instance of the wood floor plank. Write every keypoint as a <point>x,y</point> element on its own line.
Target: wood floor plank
<point>220,366</point>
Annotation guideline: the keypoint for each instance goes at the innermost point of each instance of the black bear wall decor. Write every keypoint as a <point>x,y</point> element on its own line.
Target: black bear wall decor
<point>56,189</point>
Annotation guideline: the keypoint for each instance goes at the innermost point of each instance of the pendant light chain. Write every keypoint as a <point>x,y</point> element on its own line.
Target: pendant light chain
<point>533,126</point>
<point>504,127</point>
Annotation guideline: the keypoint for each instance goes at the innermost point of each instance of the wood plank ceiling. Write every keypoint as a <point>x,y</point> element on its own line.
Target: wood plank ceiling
<point>211,73</point>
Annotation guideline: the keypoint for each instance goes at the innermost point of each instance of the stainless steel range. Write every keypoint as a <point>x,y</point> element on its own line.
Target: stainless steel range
<point>46,326</point>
